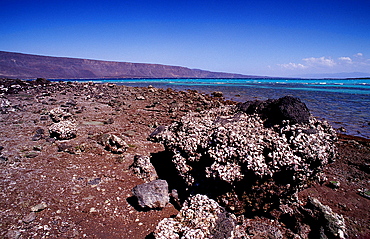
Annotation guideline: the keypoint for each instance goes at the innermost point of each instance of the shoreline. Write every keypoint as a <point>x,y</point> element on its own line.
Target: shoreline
<point>87,189</point>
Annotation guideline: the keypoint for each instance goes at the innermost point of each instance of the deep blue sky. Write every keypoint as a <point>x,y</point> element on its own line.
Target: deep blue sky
<point>260,37</point>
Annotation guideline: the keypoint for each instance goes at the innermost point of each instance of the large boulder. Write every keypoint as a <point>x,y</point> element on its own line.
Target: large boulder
<point>232,154</point>
<point>152,195</point>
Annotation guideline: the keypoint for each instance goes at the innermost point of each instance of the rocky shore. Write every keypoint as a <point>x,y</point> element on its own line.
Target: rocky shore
<point>84,160</point>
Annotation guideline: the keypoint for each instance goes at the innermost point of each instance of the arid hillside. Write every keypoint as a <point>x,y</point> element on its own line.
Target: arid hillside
<point>25,66</point>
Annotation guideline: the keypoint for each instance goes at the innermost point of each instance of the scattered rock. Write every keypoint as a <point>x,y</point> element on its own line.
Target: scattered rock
<point>3,159</point>
<point>140,97</point>
<point>94,181</point>
<point>63,130</point>
<point>342,129</point>
<point>44,117</point>
<point>39,135</point>
<point>365,193</point>
<point>217,94</point>
<point>157,131</point>
<point>152,195</point>
<point>13,234</point>
<point>59,114</point>
<point>29,218</point>
<point>113,143</point>
<point>144,168</point>
<point>39,207</point>
<point>31,155</point>
<point>40,131</point>
<point>334,184</point>
<point>109,121</point>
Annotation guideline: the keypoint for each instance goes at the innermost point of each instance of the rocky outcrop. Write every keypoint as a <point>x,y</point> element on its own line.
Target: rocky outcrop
<point>245,164</point>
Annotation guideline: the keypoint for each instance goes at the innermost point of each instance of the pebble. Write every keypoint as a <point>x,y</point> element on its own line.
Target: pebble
<point>93,210</point>
<point>39,207</point>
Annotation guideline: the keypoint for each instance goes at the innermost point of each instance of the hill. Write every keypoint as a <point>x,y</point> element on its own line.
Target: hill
<point>26,66</point>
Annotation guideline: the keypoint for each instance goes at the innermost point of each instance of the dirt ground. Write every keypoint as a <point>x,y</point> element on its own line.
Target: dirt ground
<point>81,190</point>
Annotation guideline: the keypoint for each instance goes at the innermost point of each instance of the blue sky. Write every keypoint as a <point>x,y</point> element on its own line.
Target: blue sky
<point>274,38</point>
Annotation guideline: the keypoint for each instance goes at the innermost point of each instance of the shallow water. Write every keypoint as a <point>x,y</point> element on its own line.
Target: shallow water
<point>344,103</point>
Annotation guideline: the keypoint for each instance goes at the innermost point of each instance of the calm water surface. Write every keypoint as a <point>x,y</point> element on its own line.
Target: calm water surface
<point>344,103</point>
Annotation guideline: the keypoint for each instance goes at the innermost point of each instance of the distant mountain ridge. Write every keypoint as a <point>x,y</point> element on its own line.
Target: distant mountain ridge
<point>27,66</point>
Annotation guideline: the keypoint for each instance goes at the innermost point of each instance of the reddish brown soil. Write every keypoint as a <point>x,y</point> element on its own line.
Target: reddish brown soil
<point>35,171</point>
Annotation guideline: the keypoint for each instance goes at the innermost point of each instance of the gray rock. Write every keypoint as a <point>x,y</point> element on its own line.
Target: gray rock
<point>63,130</point>
<point>29,217</point>
<point>144,168</point>
<point>152,195</point>
<point>113,143</point>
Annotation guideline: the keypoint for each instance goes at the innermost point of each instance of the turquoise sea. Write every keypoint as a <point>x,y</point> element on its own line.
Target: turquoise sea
<point>343,102</point>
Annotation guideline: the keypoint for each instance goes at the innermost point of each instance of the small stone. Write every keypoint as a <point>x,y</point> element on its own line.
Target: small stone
<point>44,118</point>
<point>94,181</point>
<point>29,218</point>
<point>40,131</point>
<point>37,148</point>
<point>13,234</point>
<point>334,184</point>
<point>92,210</point>
<point>342,129</point>
<point>37,137</point>
<point>140,97</point>
<point>365,193</point>
<point>39,207</point>
<point>31,155</point>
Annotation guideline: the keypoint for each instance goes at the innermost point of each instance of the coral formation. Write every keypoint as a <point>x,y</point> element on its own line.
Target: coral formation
<point>231,153</point>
